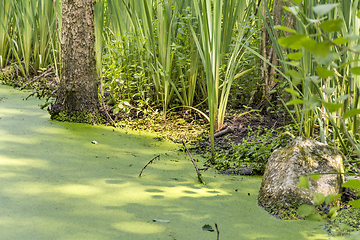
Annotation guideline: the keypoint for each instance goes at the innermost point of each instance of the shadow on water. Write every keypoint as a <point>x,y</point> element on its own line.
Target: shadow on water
<point>56,184</point>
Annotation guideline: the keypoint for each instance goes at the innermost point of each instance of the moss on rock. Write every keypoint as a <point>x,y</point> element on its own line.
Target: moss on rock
<point>279,194</point>
<point>78,117</point>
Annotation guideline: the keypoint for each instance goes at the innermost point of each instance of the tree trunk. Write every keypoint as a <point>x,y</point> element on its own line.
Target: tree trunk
<point>77,98</point>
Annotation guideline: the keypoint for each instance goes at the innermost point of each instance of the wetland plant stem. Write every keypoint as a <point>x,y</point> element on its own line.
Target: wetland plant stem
<point>158,156</point>
<point>196,168</point>
<point>217,231</point>
<point>103,103</point>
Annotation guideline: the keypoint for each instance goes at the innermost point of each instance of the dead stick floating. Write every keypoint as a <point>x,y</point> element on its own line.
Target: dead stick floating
<point>217,231</point>
<point>158,156</point>
<point>197,170</point>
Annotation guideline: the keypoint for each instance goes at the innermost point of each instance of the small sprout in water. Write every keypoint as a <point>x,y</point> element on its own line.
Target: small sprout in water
<point>207,227</point>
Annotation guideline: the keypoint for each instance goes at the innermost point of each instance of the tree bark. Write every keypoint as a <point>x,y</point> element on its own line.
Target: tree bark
<point>77,98</point>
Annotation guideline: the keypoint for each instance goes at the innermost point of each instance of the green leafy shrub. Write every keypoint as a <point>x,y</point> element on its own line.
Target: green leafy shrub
<point>255,149</point>
<point>341,219</point>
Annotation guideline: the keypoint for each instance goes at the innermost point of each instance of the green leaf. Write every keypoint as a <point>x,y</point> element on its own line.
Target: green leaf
<point>352,112</point>
<point>296,77</point>
<point>293,10</point>
<point>293,41</point>
<point>345,227</point>
<point>207,227</point>
<point>340,41</point>
<point>116,110</point>
<point>295,101</point>
<point>323,9</point>
<point>308,43</point>
<point>314,217</point>
<point>305,210</point>
<point>355,70</point>
<point>332,25</point>
<point>297,1</point>
<point>352,37</point>
<point>303,182</point>
<point>332,107</point>
<point>355,203</point>
<point>315,177</point>
<point>322,49</point>
<point>329,90</point>
<point>314,79</point>
<point>352,184</point>
<point>313,102</point>
<point>286,29</point>
<point>358,14</point>
<point>319,198</point>
<point>330,198</point>
<point>292,91</point>
<point>295,56</point>
<point>324,73</point>
<point>333,210</point>
<point>342,98</point>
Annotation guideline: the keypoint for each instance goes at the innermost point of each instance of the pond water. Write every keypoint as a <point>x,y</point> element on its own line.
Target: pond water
<point>56,184</point>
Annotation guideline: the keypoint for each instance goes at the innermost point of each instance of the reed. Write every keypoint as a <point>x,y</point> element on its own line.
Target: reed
<point>28,33</point>
<point>216,23</point>
<point>6,16</point>
<point>327,69</point>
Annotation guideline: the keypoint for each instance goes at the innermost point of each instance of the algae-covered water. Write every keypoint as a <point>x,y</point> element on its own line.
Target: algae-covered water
<point>56,184</point>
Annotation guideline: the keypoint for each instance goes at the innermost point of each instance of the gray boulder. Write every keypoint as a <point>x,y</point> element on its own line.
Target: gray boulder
<point>279,194</point>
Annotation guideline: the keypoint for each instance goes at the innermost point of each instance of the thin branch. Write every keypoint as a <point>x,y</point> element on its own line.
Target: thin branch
<point>36,78</point>
<point>223,132</point>
<point>196,168</point>
<point>217,231</point>
<point>158,156</point>
<point>103,103</point>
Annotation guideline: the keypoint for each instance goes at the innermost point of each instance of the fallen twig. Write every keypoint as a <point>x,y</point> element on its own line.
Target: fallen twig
<point>223,132</point>
<point>158,156</point>
<point>36,78</point>
<point>217,231</point>
<point>197,170</point>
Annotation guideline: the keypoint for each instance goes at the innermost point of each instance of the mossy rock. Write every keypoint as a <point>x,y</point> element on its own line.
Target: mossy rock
<point>279,194</point>
<point>285,208</point>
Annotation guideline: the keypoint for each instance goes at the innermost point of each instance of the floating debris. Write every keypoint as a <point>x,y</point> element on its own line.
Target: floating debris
<point>160,220</point>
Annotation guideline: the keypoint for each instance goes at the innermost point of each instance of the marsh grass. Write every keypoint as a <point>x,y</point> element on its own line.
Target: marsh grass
<point>168,54</point>
<point>325,65</point>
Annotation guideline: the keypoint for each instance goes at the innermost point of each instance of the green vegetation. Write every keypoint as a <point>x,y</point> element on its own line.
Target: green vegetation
<point>342,217</point>
<point>185,67</point>
<point>253,151</point>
